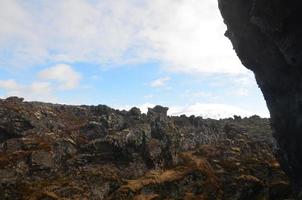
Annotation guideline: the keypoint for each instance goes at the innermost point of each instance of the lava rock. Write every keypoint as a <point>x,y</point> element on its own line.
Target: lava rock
<point>267,37</point>
<point>95,152</point>
<point>42,159</point>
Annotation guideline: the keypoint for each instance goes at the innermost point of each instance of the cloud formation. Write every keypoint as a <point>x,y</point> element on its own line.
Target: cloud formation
<point>35,91</point>
<point>161,82</point>
<point>183,36</point>
<point>9,84</point>
<point>64,74</point>
<point>50,80</point>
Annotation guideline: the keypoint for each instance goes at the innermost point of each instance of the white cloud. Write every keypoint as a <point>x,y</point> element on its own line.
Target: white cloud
<point>188,36</point>
<point>241,92</point>
<point>10,85</point>
<point>36,91</point>
<point>242,85</point>
<point>161,82</point>
<point>43,89</point>
<point>184,36</point>
<point>38,87</point>
<point>62,73</point>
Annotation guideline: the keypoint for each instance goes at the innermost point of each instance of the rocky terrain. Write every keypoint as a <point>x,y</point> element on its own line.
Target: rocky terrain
<point>267,37</point>
<point>54,152</point>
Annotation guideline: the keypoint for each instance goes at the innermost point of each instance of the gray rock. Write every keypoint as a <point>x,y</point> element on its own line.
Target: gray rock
<point>42,159</point>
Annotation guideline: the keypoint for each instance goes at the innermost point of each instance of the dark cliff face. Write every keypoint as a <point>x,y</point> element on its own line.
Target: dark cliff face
<point>54,152</point>
<point>267,37</point>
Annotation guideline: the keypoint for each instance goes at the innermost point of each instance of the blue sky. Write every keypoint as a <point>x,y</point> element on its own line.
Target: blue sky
<point>124,53</point>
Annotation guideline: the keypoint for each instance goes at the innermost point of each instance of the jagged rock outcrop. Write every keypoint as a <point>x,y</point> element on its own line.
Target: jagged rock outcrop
<point>51,151</point>
<point>267,37</point>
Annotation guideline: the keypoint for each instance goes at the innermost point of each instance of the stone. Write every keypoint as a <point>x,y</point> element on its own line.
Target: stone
<point>96,152</point>
<point>14,99</point>
<point>12,124</point>
<point>63,149</point>
<point>42,159</point>
<point>154,149</point>
<point>134,111</point>
<point>158,112</point>
<point>267,37</point>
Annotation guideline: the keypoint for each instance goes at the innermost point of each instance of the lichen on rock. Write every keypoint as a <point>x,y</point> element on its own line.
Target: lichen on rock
<point>96,152</point>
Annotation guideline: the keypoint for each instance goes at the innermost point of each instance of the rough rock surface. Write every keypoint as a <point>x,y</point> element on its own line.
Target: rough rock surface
<point>51,151</point>
<point>267,36</point>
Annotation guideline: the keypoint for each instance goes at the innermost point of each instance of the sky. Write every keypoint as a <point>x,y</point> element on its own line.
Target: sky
<point>125,53</point>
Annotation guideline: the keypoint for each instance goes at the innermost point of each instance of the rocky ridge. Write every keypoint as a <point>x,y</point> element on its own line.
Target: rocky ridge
<point>52,151</point>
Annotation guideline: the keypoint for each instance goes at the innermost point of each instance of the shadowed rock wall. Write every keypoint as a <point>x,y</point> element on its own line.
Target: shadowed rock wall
<point>267,37</point>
